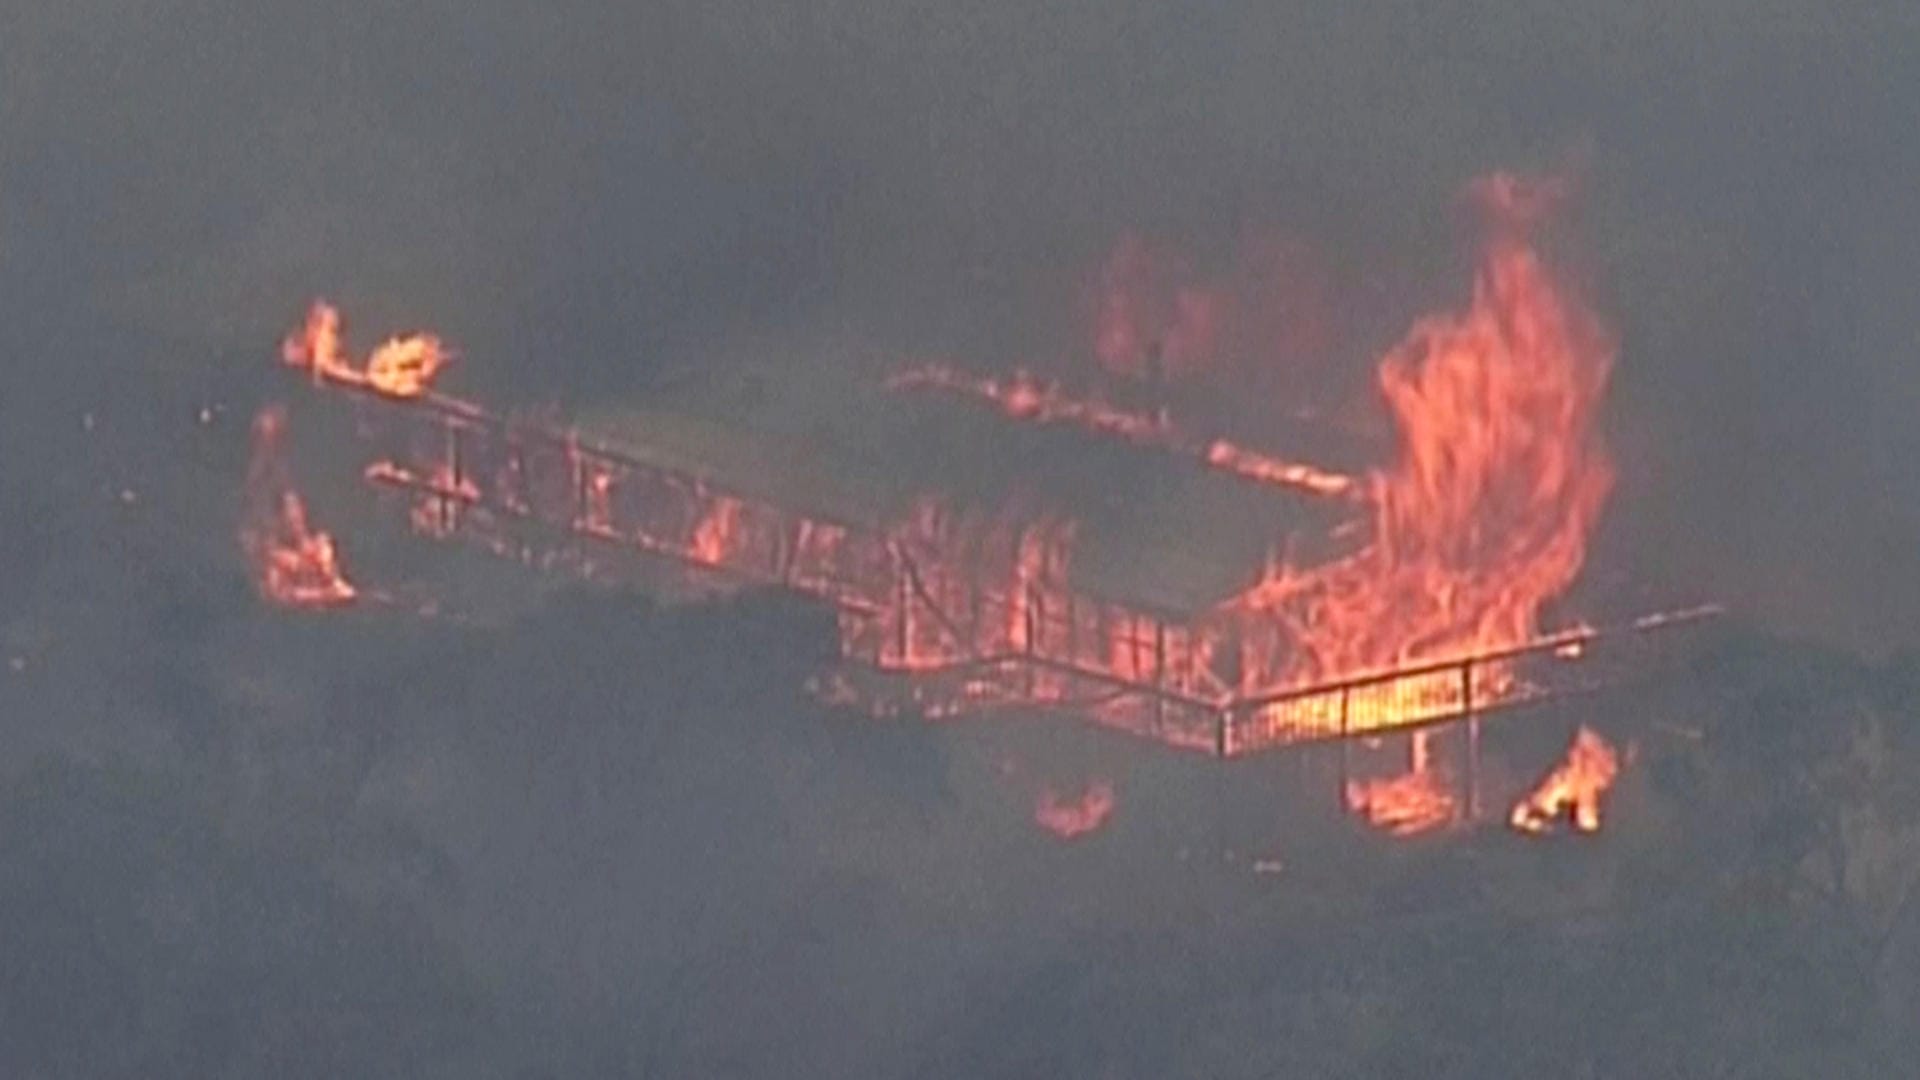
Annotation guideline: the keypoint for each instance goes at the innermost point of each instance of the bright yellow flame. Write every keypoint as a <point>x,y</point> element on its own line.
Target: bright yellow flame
<point>401,367</point>
<point>1572,790</point>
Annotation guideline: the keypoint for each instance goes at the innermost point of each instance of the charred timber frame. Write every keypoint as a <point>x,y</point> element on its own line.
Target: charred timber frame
<point>918,636</point>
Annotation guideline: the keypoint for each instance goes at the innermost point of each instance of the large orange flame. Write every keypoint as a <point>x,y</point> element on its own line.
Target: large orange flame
<point>401,367</point>
<point>1501,476</point>
<point>1572,790</point>
<point>1070,817</point>
<point>295,565</point>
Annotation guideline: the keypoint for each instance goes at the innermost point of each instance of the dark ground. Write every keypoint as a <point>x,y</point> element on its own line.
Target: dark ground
<point>587,837</point>
<point>603,838</point>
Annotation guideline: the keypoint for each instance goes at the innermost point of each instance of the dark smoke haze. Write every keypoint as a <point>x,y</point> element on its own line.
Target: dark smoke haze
<point>607,839</point>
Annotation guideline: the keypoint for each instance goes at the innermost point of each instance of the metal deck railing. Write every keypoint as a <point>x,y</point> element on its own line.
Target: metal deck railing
<point>937,620</point>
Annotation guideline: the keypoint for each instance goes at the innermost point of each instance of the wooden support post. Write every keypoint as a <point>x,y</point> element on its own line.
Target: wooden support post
<point>1027,601</point>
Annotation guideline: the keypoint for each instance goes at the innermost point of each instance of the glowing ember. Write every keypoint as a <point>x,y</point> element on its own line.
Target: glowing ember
<point>1025,396</point>
<point>1501,477</point>
<point>401,367</point>
<point>1404,805</point>
<point>1416,801</point>
<point>717,535</point>
<point>1267,469</point>
<point>1572,790</point>
<point>1069,818</point>
<point>295,565</point>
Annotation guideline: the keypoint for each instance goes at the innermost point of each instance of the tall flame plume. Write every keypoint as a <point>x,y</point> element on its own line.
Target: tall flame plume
<point>1482,520</point>
<point>1501,476</point>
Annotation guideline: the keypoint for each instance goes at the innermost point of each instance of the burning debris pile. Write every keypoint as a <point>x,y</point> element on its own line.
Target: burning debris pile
<point>295,564</point>
<point>1415,801</point>
<point>1433,611</point>
<point>1572,790</point>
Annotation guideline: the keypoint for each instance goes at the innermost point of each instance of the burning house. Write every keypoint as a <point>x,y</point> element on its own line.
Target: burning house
<point>1199,591</point>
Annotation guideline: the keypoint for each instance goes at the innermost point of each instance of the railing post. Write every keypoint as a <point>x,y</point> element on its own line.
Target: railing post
<point>1159,675</point>
<point>1030,604</point>
<point>777,558</point>
<point>1473,739</point>
<point>1036,626</point>
<point>902,636</point>
<point>787,547</point>
<point>576,484</point>
<point>448,508</point>
<point>976,640</point>
<point>1346,748</point>
<point>1073,630</point>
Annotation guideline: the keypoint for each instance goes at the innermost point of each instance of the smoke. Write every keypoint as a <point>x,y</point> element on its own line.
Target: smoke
<point>587,843</point>
<point>593,201</point>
